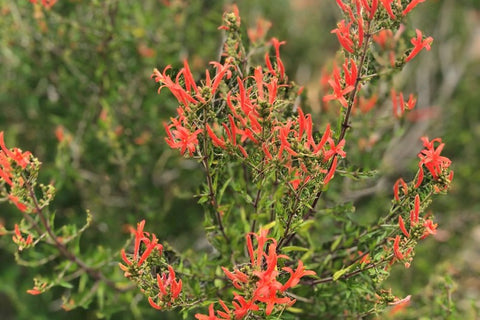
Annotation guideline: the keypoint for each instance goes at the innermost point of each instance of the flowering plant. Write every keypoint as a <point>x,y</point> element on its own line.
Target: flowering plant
<point>269,167</point>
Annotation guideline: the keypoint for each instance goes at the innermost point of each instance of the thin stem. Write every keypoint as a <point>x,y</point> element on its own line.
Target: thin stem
<point>211,192</point>
<point>94,273</point>
<point>346,120</point>
<point>351,274</point>
<point>345,125</point>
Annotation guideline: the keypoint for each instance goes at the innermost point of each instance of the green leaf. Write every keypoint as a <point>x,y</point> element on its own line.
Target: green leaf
<point>336,243</point>
<point>293,248</point>
<point>65,284</point>
<point>337,275</point>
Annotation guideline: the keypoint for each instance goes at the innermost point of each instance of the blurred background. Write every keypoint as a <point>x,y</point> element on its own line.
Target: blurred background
<point>75,90</point>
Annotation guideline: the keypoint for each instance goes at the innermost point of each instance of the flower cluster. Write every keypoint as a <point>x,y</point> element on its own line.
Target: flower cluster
<point>400,105</point>
<point>354,34</point>
<point>258,283</point>
<point>420,227</point>
<point>9,160</point>
<point>251,117</point>
<point>163,290</point>
<point>20,240</point>
<point>430,158</point>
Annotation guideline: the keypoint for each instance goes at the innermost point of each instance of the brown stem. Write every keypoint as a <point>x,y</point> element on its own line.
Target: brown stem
<point>94,273</point>
<point>211,192</point>
<point>350,274</point>
<point>345,126</point>
<point>346,120</point>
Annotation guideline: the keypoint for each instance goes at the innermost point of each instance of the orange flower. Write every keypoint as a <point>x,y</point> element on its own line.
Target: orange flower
<point>338,92</point>
<point>344,35</point>
<point>419,43</point>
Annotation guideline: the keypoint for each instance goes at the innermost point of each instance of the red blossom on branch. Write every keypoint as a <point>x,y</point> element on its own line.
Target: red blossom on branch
<point>411,5</point>
<point>263,273</point>
<point>419,43</point>
<point>431,159</point>
<point>151,244</point>
<point>181,138</point>
<point>20,240</point>
<point>387,4</point>
<point>338,92</point>
<point>169,290</point>
<point>344,35</point>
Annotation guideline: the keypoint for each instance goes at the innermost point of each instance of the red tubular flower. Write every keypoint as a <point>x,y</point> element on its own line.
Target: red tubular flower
<point>22,159</point>
<point>301,123</point>
<point>272,88</point>
<point>187,75</point>
<point>412,101</point>
<point>222,71</point>
<point>153,304</point>
<point>211,314</point>
<point>344,35</point>
<point>20,240</point>
<point>415,213</point>
<point>342,5</point>
<point>383,38</point>
<point>296,275</point>
<point>430,157</point>
<point>371,9</point>
<point>5,175</point>
<point>420,176</point>
<point>175,88</point>
<point>399,182</point>
<point>335,149</point>
<point>238,278</point>
<point>151,244</point>
<point>411,5</point>
<point>176,286</point>
<point>7,151</point>
<point>21,206</point>
<point>419,43</point>
<point>257,259</point>
<point>325,137</point>
<point>268,155</point>
<point>258,75</point>
<point>37,289</point>
<point>272,300</point>
<point>243,306</point>
<point>255,34</point>
<point>401,224</point>
<point>169,290</point>
<point>226,314</point>
<point>351,73</point>
<point>430,228</point>
<point>181,138</point>
<point>219,142</point>
<point>396,248</point>
<point>360,34</point>
<point>283,136</point>
<point>34,292</point>
<point>367,104</point>
<point>276,44</point>
<point>330,173</point>
<point>387,4</point>
<point>268,63</point>
<point>338,92</point>
<point>397,103</point>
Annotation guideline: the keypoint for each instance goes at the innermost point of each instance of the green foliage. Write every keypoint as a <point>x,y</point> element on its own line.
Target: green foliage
<point>76,93</point>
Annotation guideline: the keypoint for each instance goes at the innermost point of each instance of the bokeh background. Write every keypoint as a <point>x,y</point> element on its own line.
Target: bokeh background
<point>75,89</point>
